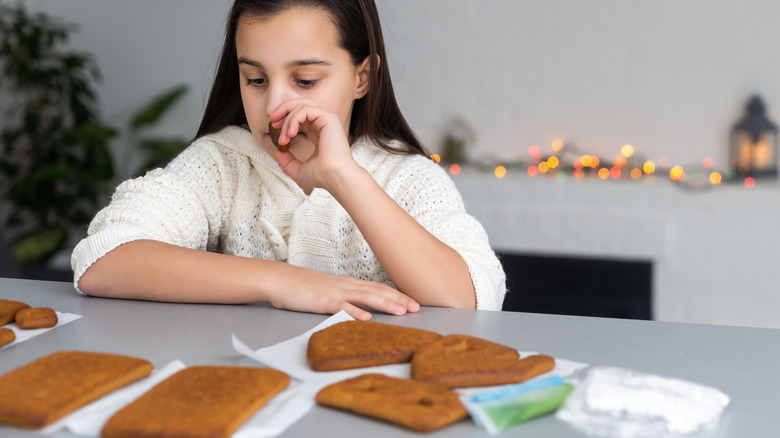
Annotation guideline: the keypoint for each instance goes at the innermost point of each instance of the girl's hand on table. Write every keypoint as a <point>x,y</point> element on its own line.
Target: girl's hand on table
<point>306,290</point>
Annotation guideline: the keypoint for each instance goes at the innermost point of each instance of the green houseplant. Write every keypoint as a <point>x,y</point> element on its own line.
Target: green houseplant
<point>157,151</point>
<point>56,162</point>
<point>55,149</point>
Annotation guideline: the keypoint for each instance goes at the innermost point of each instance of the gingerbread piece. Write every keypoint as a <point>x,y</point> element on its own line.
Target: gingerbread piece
<point>357,344</point>
<point>275,133</point>
<point>6,336</point>
<point>8,310</point>
<point>47,389</point>
<point>35,318</point>
<point>460,361</point>
<point>200,401</point>
<point>416,405</point>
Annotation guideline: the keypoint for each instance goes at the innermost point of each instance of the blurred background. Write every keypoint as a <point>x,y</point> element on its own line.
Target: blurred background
<point>497,88</point>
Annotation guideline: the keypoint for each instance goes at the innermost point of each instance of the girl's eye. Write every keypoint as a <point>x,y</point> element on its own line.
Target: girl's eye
<point>256,82</point>
<point>307,83</point>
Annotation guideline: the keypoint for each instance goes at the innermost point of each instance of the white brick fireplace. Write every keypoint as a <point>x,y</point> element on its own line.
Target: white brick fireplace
<point>715,253</point>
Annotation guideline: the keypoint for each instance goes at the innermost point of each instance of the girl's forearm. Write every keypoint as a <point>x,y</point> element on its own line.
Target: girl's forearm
<point>157,271</point>
<point>418,263</point>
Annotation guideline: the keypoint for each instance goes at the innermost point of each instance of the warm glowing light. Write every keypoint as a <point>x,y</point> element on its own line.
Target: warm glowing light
<point>579,174</point>
<point>500,171</point>
<point>533,151</point>
<point>603,173</point>
<point>620,162</point>
<point>544,167</point>
<point>455,169</point>
<point>586,160</point>
<point>708,163</point>
<point>594,161</point>
<point>636,173</point>
<point>750,182</point>
<point>627,150</point>
<point>557,145</point>
<point>532,170</point>
<point>649,167</point>
<point>715,178</point>
<point>553,162</point>
<point>615,172</point>
<point>677,173</point>
<point>577,164</point>
<point>436,158</point>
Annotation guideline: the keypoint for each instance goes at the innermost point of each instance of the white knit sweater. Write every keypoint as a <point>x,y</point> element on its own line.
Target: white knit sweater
<point>224,193</point>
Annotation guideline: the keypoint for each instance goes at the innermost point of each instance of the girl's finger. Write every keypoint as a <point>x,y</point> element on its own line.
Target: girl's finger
<point>388,301</point>
<point>355,312</point>
<point>303,117</point>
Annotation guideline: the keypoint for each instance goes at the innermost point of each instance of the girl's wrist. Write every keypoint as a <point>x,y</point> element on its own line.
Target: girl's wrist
<point>347,182</point>
<point>265,282</point>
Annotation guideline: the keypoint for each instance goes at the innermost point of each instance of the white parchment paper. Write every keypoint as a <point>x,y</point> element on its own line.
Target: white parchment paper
<point>23,335</point>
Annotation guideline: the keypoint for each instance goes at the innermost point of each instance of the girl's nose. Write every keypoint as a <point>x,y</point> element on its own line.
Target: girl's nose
<point>277,94</point>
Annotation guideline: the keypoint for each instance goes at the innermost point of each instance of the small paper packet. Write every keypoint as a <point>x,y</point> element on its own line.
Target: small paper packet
<point>498,409</point>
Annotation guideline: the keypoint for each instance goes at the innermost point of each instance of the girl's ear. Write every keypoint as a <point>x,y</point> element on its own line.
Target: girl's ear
<point>364,76</point>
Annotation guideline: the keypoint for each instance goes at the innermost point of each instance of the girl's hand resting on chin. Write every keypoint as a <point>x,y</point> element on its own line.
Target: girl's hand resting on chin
<point>321,150</point>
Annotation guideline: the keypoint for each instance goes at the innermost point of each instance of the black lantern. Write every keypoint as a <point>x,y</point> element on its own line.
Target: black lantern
<point>754,142</point>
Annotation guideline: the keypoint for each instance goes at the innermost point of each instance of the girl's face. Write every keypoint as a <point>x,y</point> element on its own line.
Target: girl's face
<point>294,54</point>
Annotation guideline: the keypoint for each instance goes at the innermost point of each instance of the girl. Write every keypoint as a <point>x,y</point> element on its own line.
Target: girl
<point>353,216</point>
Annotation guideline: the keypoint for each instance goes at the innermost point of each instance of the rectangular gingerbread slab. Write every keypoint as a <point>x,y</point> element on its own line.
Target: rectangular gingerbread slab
<point>200,401</point>
<point>47,389</point>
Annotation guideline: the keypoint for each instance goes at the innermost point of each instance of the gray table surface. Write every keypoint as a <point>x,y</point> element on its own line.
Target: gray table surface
<point>742,362</point>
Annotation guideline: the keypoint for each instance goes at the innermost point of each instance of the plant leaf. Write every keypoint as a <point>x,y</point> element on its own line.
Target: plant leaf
<point>159,106</point>
<point>161,152</point>
<point>37,247</point>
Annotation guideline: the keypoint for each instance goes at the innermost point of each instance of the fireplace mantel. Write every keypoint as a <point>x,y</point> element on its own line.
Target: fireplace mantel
<point>715,253</point>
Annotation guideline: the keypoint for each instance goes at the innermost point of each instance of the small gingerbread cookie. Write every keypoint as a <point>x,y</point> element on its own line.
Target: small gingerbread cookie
<point>457,361</point>
<point>275,133</point>
<point>35,318</point>
<point>6,336</point>
<point>8,310</point>
<point>416,405</point>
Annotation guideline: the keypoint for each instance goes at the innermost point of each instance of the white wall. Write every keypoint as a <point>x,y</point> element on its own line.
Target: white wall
<point>144,47</point>
<point>668,76</point>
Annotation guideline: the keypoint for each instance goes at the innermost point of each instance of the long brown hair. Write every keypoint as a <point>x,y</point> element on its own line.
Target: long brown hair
<point>376,115</point>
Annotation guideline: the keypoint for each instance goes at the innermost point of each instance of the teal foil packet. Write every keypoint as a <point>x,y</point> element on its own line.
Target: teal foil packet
<point>500,409</point>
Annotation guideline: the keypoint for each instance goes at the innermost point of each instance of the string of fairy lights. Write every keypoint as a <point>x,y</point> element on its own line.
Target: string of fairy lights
<point>566,162</point>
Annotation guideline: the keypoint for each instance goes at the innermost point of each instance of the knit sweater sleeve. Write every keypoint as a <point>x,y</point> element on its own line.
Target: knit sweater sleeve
<point>180,204</point>
<point>427,193</point>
